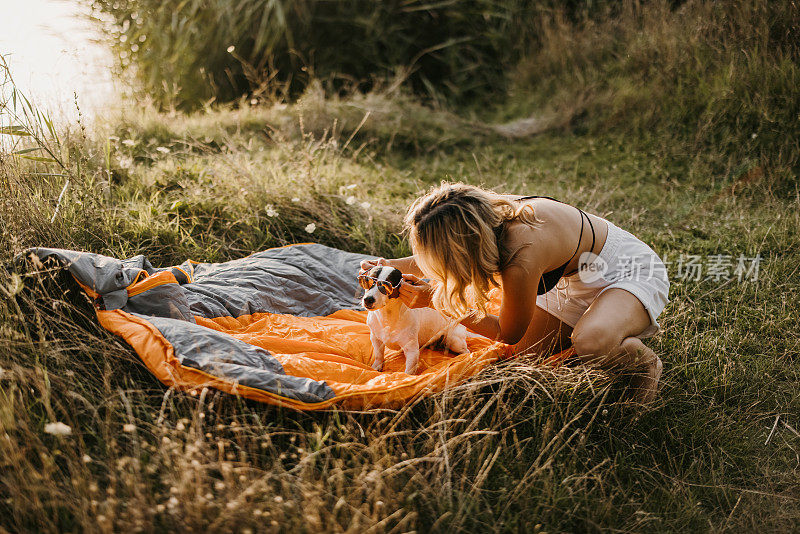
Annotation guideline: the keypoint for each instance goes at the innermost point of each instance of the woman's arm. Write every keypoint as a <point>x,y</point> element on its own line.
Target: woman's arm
<point>407,265</point>
<point>488,325</point>
<point>519,302</point>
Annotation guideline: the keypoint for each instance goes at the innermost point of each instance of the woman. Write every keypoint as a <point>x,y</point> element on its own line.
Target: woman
<point>565,275</point>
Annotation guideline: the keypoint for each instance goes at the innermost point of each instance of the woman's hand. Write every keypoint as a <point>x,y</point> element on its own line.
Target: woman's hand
<point>415,292</point>
<point>366,265</point>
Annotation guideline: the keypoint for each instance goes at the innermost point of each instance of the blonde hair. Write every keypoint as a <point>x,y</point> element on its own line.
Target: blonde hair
<point>455,232</point>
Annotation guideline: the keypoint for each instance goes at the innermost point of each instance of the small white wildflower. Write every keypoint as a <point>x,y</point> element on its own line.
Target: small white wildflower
<point>351,186</point>
<point>113,138</point>
<point>126,163</point>
<point>162,149</point>
<point>219,485</point>
<point>129,142</point>
<point>296,199</point>
<point>278,499</point>
<point>365,205</point>
<point>58,429</point>
<point>130,427</point>
<point>271,211</point>
<point>173,502</point>
<point>754,136</point>
<point>87,459</point>
<point>350,200</point>
<point>231,48</point>
<point>180,426</point>
<point>254,102</point>
<point>310,228</point>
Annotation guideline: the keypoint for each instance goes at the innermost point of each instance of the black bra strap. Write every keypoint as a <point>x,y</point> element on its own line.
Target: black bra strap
<point>592,227</point>
<point>539,196</point>
<point>580,237</point>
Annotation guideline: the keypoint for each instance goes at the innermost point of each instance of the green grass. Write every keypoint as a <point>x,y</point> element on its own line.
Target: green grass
<point>517,448</point>
<point>715,77</point>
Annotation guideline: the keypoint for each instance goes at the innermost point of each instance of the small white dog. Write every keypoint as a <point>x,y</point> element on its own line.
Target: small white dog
<point>393,324</point>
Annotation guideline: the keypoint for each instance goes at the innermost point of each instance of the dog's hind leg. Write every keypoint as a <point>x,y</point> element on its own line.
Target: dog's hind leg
<point>456,339</point>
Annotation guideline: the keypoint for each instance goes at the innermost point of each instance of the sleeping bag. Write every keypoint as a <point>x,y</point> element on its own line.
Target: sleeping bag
<point>283,326</point>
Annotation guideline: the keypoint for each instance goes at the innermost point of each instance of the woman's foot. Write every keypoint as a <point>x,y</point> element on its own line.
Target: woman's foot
<point>644,383</point>
<point>644,368</point>
<point>630,359</point>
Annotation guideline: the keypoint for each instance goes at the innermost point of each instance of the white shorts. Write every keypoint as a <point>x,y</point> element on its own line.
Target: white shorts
<point>624,262</point>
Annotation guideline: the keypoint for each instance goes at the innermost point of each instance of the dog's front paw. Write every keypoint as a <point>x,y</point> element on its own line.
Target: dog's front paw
<point>378,365</point>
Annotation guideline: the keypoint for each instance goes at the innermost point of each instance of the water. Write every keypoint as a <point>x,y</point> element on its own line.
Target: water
<point>49,48</point>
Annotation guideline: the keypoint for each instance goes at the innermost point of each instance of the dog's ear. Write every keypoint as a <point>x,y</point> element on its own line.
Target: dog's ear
<point>395,277</point>
<point>375,271</point>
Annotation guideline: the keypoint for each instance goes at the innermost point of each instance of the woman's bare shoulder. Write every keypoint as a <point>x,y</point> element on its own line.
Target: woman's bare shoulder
<point>526,246</point>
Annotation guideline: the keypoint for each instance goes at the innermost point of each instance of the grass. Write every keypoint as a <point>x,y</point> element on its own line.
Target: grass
<point>202,50</point>
<point>516,448</point>
<point>716,77</point>
<point>719,77</point>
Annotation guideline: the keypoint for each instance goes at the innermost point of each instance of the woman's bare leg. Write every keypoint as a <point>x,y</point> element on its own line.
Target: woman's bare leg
<point>546,335</point>
<point>604,336</point>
